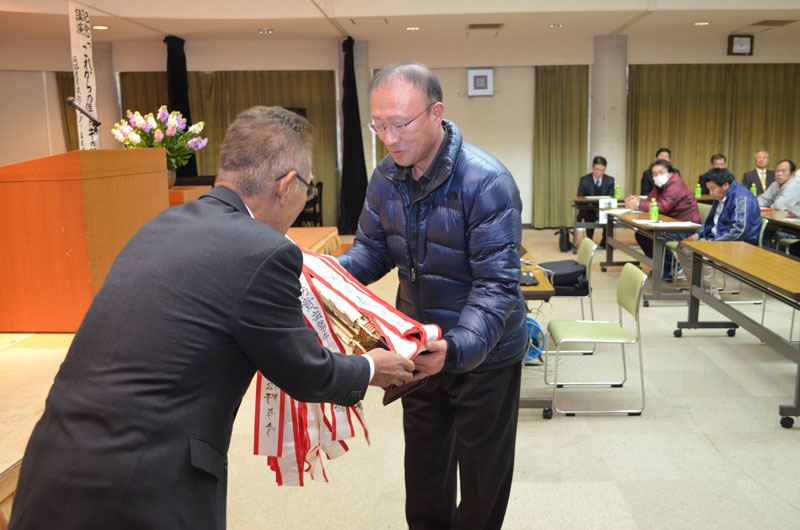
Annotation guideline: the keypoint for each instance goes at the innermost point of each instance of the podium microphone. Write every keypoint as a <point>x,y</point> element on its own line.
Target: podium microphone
<point>71,101</point>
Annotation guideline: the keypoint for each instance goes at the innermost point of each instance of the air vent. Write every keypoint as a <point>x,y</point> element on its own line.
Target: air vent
<point>774,23</point>
<point>485,27</point>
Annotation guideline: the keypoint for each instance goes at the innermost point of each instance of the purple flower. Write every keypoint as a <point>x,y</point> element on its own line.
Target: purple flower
<point>163,114</point>
<point>197,143</point>
<point>181,122</point>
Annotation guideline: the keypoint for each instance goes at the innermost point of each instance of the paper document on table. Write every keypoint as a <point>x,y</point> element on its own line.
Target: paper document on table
<point>791,219</point>
<point>678,224</point>
<point>644,221</point>
<point>618,211</point>
<point>597,197</point>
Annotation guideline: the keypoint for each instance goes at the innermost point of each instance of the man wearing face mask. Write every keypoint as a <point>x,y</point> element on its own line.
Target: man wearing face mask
<point>674,200</point>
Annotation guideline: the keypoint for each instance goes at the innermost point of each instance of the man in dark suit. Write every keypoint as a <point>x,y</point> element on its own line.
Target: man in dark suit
<point>719,161</point>
<point>760,176</point>
<point>647,184</point>
<point>138,421</point>
<point>595,183</point>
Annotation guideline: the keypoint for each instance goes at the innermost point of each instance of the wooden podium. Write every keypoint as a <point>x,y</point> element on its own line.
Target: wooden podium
<point>63,220</point>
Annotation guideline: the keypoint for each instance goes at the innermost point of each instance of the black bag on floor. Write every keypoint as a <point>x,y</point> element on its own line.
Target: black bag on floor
<point>564,244</point>
<point>568,277</point>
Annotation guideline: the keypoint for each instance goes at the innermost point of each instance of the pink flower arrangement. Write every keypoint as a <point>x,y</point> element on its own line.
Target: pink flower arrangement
<point>164,129</point>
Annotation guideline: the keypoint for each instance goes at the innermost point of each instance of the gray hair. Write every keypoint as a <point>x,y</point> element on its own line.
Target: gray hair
<point>263,144</point>
<point>762,151</point>
<point>415,74</point>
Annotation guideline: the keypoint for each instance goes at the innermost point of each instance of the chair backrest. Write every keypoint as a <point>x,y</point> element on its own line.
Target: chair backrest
<point>764,222</point>
<point>704,210</point>
<point>629,289</point>
<point>586,255</point>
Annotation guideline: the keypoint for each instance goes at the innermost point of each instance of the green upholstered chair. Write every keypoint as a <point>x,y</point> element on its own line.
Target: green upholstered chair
<point>564,332</point>
<point>586,253</point>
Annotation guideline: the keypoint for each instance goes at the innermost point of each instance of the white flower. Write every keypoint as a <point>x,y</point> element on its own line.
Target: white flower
<point>197,127</point>
<point>134,138</point>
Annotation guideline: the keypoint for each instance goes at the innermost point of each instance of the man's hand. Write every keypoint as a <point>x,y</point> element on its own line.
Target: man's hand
<point>790,213</point>
<point>693,237</point>
<point>432,361</point>
<point>390,368</point>
<point>632,202</point>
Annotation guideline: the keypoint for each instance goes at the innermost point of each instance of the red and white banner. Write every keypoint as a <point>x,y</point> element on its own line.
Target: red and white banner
<point>292,433</point>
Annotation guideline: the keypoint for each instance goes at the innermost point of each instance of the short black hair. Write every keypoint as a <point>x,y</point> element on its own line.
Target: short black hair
<point>663,163</point>
<point>792,167</point>
<point>717,157</point>
<point>599,160</point>
<point>718,175</point>
<point>415,74</point>
<point>664,150</point>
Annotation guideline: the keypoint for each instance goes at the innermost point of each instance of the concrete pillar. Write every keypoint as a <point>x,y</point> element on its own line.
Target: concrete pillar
<point>609,104</point>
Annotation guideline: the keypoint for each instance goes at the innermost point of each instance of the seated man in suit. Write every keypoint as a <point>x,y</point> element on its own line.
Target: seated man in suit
<point>647,178</point>
<point>760,176</point>
<point>717,160</point>
<point>595,183</point>
<point>780,195</point>
<point>138,422</point>
<point>734,216</point>
<point>674,200</point>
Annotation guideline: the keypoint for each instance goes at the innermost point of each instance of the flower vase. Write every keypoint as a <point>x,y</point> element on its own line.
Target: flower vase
<point>171,176</point>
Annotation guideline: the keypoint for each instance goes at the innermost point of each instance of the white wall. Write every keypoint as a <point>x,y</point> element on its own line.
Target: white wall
<point>29,106</point>
<point>499,124</point>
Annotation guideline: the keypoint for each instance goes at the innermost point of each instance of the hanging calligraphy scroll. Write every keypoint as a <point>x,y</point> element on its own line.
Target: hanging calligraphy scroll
<point>83,73</point>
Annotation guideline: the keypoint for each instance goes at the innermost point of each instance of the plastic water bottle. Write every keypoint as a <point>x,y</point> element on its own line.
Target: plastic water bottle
<point>753,188</point>
<point>653,209</point>
<point>698,191</point>
<point>617,193</point>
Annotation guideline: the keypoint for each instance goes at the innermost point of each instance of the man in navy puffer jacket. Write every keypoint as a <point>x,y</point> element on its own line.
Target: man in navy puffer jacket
<point>447,215</point>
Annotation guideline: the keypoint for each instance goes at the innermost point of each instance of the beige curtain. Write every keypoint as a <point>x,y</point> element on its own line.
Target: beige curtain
<point>65,81</point>
<point>217,97</point>
<point>697,110</point>
<point>560,141</point>
<point>143,91</point>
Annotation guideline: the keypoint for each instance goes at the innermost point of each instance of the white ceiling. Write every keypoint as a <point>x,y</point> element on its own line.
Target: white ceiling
<point>302,20</point>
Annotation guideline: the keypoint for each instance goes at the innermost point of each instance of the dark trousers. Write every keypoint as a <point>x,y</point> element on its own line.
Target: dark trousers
<point>465,422</point>
<point>646,245</point>
<point>590,216</point>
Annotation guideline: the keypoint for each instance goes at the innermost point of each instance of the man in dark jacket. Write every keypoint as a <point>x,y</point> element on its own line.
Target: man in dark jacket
<point>595,183</point>
<point>674,200</point>
<point>734,216</point>
<point>447,215</point>
<point>647,178</point>
<point>761,177</point>
<point>137,425</point>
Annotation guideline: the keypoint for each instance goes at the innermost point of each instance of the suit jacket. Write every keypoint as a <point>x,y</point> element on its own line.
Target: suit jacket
<point>751,177</point>
<point>138,422</point>
<point>586,186</point>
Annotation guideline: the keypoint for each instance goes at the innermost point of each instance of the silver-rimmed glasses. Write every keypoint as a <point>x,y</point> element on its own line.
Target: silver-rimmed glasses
<point>396,128</point>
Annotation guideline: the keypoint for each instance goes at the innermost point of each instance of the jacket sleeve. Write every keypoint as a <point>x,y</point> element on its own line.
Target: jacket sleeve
<point>368,260</point>
<point>790,195</point>
<point>582,191</point>
<point>766,199</point>
<point>647,183</point>
<point>737,230</point>
<point>669,199</point>
<point>272,332</point>
<point>494,232</point>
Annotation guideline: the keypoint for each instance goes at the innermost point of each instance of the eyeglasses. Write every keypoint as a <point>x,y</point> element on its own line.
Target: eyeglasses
<point>311,189</point>
<point>398,128</point>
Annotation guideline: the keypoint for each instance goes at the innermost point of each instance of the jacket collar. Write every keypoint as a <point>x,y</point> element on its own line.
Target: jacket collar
<point>389,169</point>
<point>229,197</point>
